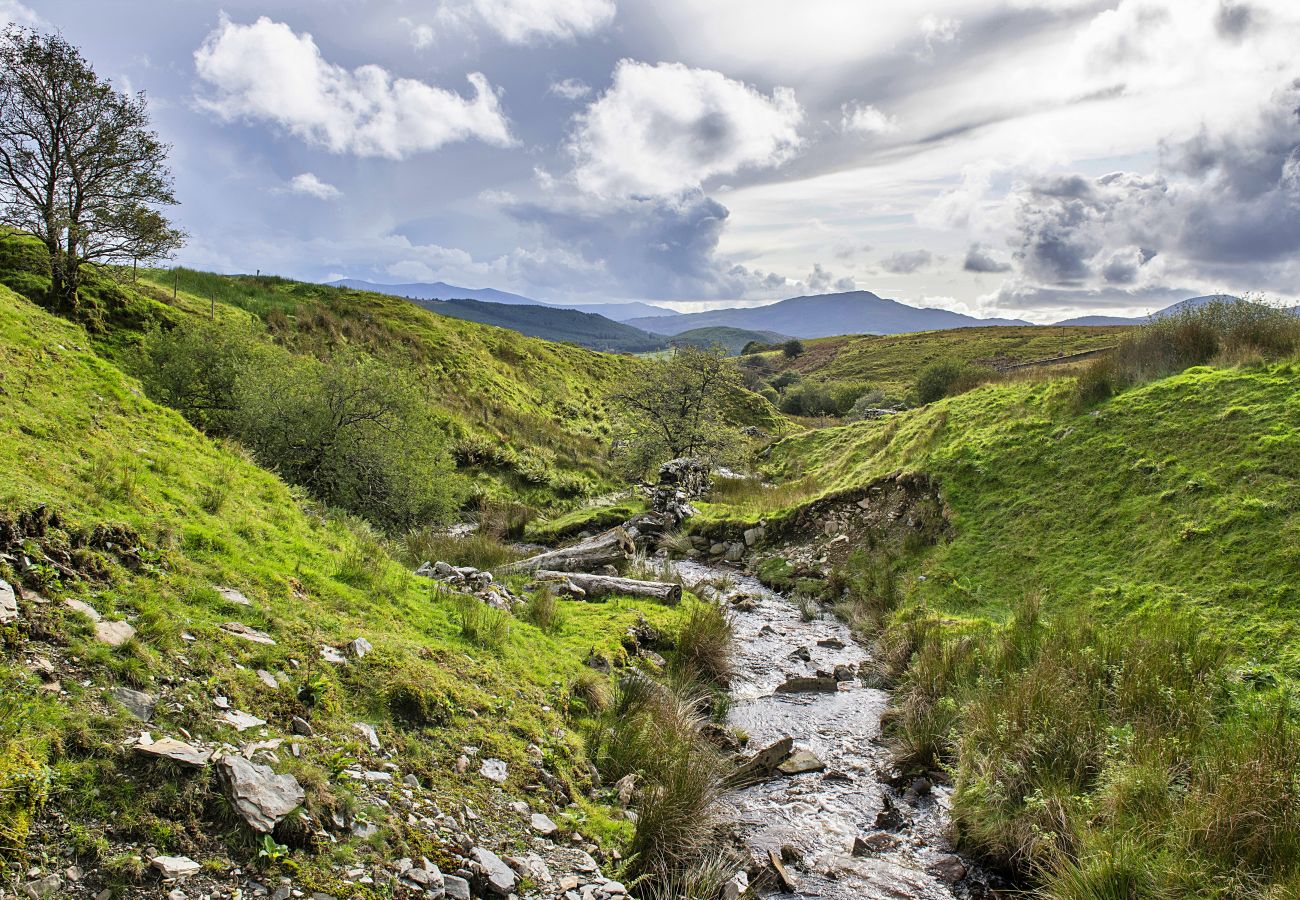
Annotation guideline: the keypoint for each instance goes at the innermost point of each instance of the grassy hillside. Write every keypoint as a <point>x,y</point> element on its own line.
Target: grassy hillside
<point>1103,650</point>
<point>526,417</point>
<point>891,362</point>
<point>116,473</point>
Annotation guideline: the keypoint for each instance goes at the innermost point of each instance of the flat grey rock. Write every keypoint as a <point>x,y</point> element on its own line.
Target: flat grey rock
<point>499,878</point>
<point>240,630</point>
<point>456,888</point>
<point>230,595</point>
<point>259,795</point>
<point>177,751</point>
<point>542,824</point>
<point>137,703</point>
<point>175,868</point>
<point>115,634</point>
<point>8,603</point>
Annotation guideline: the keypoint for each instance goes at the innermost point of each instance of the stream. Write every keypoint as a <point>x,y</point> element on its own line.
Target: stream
<point>820,813</point>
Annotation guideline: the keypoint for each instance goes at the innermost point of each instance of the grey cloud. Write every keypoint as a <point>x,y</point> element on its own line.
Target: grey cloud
<point>980,258</point>
<point>846,284</point>
<point>906,262</point>
<point>1234,19</point>
<point>647,247</point>
<point>818,280</point>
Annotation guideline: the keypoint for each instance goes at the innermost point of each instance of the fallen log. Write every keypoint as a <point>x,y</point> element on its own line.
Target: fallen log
<point>594,586</point>
<point>607,548</point>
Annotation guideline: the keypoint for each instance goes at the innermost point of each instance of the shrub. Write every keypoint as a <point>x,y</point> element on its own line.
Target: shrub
<point>355,433</point>
<point>792,348</point>
<point>871,399</point>
<point>419,704</point>
<point>942,379</point>
<point>1226,328</point>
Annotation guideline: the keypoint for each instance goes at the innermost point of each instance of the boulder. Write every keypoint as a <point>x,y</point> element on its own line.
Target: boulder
<point>137,703</point>
<point>754,535</point>
<point>763,763</point>
<point>498,878</point>
<point>948,868</point>
<point>542,824</point>
<point>8,603</point>
<point>252,635</point>
<point>455,888</point>
<point>494,770</point>
<point>230,595</point>
<point>258,794</point>
<point>175,868</point>
<point>177,751</point>
<point>115,634</point>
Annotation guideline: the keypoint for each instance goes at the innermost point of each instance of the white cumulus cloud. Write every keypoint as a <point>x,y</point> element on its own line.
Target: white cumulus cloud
<point>667,127</point>
<point>570,89</point>
<point>865,119</point>
<point>309,185</point>
<point>267,72</point>
<point>529,21</point>
<point>14,13</point>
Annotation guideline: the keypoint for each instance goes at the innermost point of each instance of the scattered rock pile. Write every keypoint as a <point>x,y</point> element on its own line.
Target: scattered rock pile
<point>469,580</point>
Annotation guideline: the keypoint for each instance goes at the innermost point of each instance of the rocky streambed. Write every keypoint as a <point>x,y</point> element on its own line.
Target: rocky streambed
<point>828,814</point>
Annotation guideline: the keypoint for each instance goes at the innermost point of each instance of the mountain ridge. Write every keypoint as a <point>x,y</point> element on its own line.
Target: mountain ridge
<point>822,315</point>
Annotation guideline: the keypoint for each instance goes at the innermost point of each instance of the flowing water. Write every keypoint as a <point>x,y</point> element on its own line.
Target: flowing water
<point>818,815</point>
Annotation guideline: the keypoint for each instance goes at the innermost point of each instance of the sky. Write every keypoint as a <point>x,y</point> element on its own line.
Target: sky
<point>1029,158</point>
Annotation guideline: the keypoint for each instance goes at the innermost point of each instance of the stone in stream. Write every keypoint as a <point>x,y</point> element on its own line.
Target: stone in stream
<point>736,887</point>
<point>877,842</point>
<point>801,761</point>
<point>831,643</point>
<point>948,868</point>
<point>783,877</point>
<point>889,818</point>
<point>802,653</point>
<point>763,763</point>
<point>804,684</point>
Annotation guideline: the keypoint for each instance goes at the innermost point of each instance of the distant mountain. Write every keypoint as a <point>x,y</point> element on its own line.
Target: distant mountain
<point>552,324</point>
<point>734,339</point>
<point>822,315</point>
<point>437,290</point>
<point>619,312</point>
<point>1190,303</point>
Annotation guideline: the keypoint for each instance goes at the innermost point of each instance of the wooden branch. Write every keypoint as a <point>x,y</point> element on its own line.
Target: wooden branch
<point>608,548</point>
<point>595,586</point>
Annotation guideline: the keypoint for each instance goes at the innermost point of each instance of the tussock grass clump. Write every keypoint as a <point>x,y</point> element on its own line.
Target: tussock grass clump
<point>481,624</point>
<point>1102,760</point>
<point>704,644</point>
<point>653,732</point>
<point>871,591</point>
<point>544,611</point>
<point>592,690</point>
<point>1225,329</point>
<point>477,549</point>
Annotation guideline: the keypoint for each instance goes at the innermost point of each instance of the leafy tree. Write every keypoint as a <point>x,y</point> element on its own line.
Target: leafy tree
<point>355,432</point>
<point>80,168</point>
<point>792,348</point>
<point>678,408</point>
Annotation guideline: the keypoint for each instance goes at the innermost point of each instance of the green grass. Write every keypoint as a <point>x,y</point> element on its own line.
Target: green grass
<point>891,362</point>
<point>80,436</point>
<point>586,518</point>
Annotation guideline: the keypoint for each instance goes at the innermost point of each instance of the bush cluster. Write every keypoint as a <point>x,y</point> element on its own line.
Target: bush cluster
<point>354,430</point>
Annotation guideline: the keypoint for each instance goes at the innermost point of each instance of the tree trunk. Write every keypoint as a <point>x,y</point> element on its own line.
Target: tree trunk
<point>595,586</point>
<point>608,548</point>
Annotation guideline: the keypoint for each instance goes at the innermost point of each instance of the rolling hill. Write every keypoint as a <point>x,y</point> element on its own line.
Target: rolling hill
<point>822,315</point>
<point>1190,303</point>
<point>562,325</point>
<point>733,339</point>
<point>440,290</point>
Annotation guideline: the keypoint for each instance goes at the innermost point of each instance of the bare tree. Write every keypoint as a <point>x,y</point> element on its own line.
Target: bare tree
<point>80,168</point>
